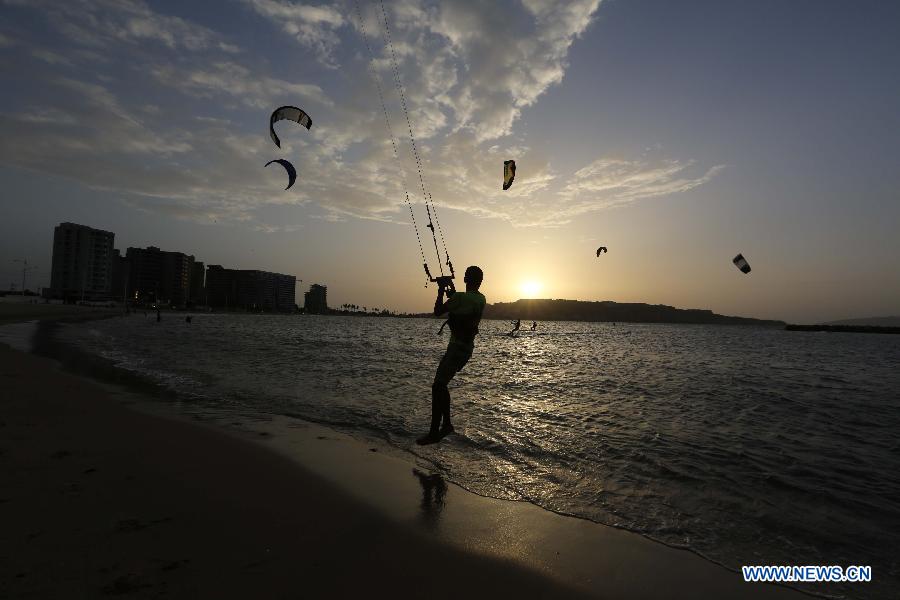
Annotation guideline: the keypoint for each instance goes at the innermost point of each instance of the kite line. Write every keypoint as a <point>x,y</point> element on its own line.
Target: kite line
<point>430,208</point>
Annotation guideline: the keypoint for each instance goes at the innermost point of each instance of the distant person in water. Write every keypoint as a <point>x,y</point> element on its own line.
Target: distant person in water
<point>465,310</point>
<point>533,325</point>
<point>516,326</point>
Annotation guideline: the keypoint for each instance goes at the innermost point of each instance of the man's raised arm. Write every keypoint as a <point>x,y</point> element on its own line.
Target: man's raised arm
<point>440,307</point>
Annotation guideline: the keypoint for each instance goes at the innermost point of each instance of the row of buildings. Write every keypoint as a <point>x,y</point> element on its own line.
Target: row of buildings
<point>87,267</point>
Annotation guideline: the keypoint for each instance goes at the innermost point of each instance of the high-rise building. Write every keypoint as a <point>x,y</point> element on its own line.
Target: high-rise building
<point>121,268</point>
<point>285,293</point>
<point>198,284</point>
<point>315,301</point>
<point>82,267</point>
<point>250,289</point>
<point>160,276</point>
<point>145,277</point>
<point>220,287</point>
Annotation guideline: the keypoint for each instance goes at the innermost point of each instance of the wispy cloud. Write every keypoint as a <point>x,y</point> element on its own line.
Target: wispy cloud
<point>313,26</point>
<point>613,182</point>
<point>506,71</point>
<point>229,79</point>
<point>101,23</point>
<point>51,57</point>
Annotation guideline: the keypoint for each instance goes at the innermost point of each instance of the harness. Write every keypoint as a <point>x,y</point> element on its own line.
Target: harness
<point>464,327</point>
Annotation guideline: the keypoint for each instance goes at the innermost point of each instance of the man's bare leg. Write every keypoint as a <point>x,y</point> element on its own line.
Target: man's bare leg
<point>439,395</point>
<point>447,426</point>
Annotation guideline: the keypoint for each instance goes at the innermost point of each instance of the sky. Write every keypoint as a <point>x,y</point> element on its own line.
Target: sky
<point>676,134</point>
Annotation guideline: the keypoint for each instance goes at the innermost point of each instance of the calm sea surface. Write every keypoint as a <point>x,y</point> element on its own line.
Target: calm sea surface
<point>746,445</point>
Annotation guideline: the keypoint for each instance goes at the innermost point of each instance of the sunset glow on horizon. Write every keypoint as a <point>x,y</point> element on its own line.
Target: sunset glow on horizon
<point>530,288</point>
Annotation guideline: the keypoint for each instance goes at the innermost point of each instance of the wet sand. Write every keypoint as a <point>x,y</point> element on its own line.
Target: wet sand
<point>13,312</point>
<point>102,498</point>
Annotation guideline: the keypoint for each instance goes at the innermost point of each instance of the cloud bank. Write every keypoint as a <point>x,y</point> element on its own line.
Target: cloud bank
<point>172,114</point>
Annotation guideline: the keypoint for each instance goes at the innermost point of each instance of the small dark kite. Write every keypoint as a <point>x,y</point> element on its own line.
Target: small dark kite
<point>291,171</point>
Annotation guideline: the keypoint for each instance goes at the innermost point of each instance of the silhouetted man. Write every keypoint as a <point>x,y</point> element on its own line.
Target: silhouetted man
<point>465,310</point>
<point>533,325</point>
<point>516,326</point>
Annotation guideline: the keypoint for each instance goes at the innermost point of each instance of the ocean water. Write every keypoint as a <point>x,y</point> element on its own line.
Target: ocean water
<point>746,445</point>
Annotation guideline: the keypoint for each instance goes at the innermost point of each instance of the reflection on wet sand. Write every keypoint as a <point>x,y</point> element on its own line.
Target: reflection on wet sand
<point>433,491</point>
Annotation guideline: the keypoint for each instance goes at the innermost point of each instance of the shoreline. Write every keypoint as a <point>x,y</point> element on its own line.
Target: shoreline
<point>515,544</point>
<point>843,328</point>
<point>104,499</point>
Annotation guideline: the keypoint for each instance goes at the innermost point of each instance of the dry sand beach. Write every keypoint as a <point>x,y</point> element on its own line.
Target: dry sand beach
<point>101,497</point>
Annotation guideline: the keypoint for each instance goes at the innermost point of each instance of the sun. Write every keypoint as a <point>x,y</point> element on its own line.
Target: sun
<point>530,288</point>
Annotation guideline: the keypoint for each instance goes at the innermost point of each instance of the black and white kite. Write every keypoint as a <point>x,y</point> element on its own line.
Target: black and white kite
<point>601,249</point>
<point>291,113</point>
<point>509,173</point>
<point>741,263</point>
<point>291,171</point>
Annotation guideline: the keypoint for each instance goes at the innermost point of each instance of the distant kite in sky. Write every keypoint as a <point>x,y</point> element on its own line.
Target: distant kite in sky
<point>291,113</point>
<point>509,173</point>
<point>601,249</point>
<point>291,171</point>
<point>741,263</point>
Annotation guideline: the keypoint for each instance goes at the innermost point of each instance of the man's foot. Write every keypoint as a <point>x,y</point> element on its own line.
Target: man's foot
<point>445,431</point>
<point>431,438</point>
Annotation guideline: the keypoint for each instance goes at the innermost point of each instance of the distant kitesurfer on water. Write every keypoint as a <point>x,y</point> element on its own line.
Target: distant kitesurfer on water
<point>465,310</point>
<point>516,326</point>
<point>533,325</point>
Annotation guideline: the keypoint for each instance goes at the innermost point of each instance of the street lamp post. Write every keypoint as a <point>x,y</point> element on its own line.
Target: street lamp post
<point>25,269</point>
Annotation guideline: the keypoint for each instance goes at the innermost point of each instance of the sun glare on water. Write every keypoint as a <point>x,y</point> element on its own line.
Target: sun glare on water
<point>530,289</point>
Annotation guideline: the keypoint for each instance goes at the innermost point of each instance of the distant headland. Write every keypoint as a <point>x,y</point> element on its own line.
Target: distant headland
<point>864,325</point>
<point>579,310</point>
